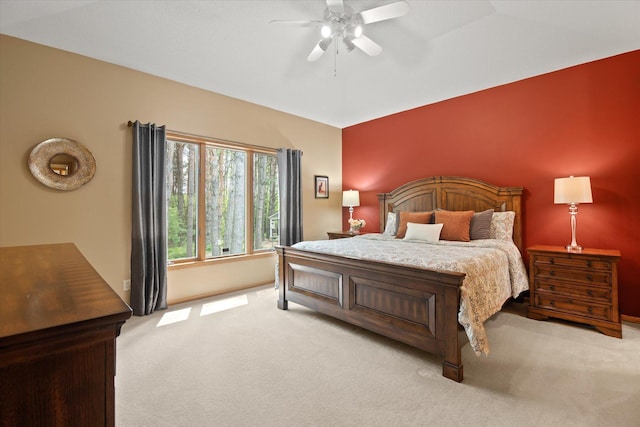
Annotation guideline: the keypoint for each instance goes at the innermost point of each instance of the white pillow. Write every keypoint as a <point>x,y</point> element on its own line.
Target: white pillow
<point>502,225</point>
<point>391,227</point>
<point>426,232</point>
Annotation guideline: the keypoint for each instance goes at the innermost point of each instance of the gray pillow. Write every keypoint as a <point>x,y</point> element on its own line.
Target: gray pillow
<point>480,227</point>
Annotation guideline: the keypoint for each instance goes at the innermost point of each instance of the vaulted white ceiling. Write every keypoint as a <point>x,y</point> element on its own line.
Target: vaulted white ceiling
<point>439,50</point>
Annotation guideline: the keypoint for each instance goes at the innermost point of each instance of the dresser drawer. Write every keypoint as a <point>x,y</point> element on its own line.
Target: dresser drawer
<point>568,305</point>
<point>594,293</point>
<point>586,276</point>
<point>566,261</point>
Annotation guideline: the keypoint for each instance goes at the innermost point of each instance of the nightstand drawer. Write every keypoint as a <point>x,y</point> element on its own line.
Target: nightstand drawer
<point>567,261</point>
<point>602,295</point>
<point>587,277</point>
<point>552,302</point>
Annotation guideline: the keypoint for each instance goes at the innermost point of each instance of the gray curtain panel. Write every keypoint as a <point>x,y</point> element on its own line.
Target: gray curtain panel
<point>148,220</point>
<point>290,186</point>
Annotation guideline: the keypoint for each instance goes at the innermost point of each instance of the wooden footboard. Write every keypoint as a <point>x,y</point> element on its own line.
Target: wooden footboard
<point>413,305</point>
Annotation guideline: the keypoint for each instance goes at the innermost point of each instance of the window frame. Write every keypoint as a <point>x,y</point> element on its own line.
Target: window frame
<point>250,150</point>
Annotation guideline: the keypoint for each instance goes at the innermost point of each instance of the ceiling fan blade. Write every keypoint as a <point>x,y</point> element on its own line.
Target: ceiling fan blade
<point>297,23</point>
<point>336,6</point>
<point>367,45</point>
<point>388,11</point>
<point>319,49</point>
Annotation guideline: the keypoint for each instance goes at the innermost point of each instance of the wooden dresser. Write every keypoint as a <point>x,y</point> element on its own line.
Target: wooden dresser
<point>577,286</point>
<point>58,326</point>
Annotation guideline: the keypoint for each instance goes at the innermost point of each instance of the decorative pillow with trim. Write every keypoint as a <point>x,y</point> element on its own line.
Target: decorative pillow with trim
<point>415,217</point>
<point>426,232</point>
<point>391,227</point>
<point>456,225</point>
<point>502,225</point>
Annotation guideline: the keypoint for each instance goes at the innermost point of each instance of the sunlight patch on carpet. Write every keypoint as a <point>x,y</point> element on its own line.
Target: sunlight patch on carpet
<point>267,293</point>
<point>225,304</point>
<point>174,317</point>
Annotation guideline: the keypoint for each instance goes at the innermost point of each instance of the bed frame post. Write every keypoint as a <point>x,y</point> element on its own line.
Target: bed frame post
<point>452,365</point>
<point>283,304</point>
<point>382,212</point>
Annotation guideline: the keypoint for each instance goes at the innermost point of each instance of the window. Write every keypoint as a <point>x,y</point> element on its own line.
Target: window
<point>222,198</point>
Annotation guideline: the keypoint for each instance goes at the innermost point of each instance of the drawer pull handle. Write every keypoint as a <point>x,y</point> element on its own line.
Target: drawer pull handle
<point>551,261</point>
<point>589,277</point>
<point>552,273</point>
<point>552,303</point>
<point>590,310</point>
<point>552,287</point>
<point>590,293</point>
<point>588,263</point>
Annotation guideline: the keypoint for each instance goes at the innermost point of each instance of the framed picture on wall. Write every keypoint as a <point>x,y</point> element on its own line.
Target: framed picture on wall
<point>321,186</point>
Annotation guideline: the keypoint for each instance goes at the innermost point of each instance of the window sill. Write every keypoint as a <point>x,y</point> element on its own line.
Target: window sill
<point>221,260</point>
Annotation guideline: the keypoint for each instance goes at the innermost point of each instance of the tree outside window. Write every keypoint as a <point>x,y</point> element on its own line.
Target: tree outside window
<point>221,200</point>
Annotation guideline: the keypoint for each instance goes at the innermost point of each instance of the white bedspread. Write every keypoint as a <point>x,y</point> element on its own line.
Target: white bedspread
<point>494,270</point>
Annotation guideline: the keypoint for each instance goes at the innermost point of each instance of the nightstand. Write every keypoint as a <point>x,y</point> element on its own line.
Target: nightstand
<point>341,234</point>
<point>577,286</point>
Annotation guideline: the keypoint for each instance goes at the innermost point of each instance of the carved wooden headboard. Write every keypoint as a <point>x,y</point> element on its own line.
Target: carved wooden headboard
<point>456,194</point>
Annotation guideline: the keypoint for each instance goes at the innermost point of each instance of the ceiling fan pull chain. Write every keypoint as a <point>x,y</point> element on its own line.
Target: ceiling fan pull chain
<point>335,60</point>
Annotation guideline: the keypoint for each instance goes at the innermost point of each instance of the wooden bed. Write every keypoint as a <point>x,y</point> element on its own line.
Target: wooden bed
<point>413,305</point>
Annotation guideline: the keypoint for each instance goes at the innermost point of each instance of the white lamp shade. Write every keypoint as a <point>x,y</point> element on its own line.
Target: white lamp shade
<point>351,198</point>
<point>574,189</point>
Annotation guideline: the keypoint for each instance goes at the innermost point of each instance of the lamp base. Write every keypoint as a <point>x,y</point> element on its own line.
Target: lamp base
<point>573,246</point>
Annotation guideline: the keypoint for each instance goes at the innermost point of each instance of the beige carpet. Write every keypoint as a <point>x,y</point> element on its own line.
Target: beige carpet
<point>255,365</point>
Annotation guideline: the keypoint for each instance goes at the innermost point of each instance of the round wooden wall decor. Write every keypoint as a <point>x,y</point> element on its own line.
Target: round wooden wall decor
<point>62,163</point>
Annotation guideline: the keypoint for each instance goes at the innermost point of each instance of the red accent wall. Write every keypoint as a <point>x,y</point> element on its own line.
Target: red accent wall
<point>583,120</point>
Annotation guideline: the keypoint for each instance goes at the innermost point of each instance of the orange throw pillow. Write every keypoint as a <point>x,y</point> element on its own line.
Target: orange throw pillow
<point>455,224</point>
<point>407,217</point>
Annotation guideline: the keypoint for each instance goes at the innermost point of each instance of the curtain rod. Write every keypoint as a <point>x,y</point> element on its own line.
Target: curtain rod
<point>208,138</point>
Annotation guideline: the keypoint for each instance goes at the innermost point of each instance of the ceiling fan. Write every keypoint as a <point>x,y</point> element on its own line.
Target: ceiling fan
<point>341,22</point>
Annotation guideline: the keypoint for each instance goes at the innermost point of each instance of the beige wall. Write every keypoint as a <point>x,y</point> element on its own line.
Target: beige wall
<point>47,93</point>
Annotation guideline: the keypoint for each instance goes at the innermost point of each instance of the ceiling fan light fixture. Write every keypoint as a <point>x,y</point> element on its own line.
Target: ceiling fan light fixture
<point>357,31</point>
<point>325,31</point>
<point>340,22</point>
